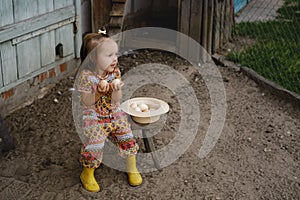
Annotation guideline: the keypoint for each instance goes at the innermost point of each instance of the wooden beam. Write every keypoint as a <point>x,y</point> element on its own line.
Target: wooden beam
<point>29,25</point>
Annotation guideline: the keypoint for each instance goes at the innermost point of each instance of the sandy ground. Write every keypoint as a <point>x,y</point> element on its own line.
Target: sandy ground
<point>256,156</point>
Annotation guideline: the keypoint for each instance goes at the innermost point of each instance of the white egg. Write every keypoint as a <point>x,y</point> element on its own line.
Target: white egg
<point>143,107</point>
<point>138,109</point>
<point>145,110</point>
<point>103,83</point>
<point>133,105</point>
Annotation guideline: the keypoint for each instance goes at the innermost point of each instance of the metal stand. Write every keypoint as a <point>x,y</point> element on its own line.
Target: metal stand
<point>147,139</point>
<point>149,146</point>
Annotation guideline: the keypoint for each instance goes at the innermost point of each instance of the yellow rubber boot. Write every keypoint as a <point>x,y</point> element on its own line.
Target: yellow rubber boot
<point>134,176</point>
<point>88,180</point>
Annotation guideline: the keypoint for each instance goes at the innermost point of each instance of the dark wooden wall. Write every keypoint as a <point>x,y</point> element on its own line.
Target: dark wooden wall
<point>209,22</point>
<point>100,13</point>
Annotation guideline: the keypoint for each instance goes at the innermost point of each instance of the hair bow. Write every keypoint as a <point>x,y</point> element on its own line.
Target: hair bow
<point>102,31</point>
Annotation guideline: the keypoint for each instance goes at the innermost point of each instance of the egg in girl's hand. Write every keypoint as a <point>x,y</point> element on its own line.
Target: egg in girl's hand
<point>103,84</point>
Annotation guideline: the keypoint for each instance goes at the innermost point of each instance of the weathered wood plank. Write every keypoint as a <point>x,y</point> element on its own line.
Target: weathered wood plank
<point>47,40</point>
<point>222,22</point>
<point>216,28</point>
<point>33,24</point>
<point>204,24</point>
<point>42,31</point>
<point>195,20</point>
<point>47,48</point>
<point>1,74</point>
<point>184,26</point>
<point>228,21</point>
<point>210,26</point>
<point>6,12</point>
<point>36,73</point>
<point>185,16</point>
<point>26,62</point>
<point>65,36</point>
<point>79,26</point>
<point>45,6</point>
<point>100,13</point>
<point>25,9</point>
<point>9,63</point>
<point>62,3</point>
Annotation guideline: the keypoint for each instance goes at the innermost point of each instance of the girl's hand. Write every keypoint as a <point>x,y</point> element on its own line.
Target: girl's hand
<point>116,84</point>
<point>103,86</point>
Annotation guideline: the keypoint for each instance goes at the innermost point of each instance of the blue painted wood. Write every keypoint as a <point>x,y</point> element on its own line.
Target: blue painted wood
<point>65,36</point>
<point>47,40</point>
<point>25,9</point>
<point>45,6</point>
<point>240,4</point>
<point>78,36</point>
<point>28,52</point>
<point>33,56</point>
<point>28,56</point>
<point>36,73</point>
<point>62,3</point>
<point>6,12</point>
<point>36,23</point>
<point>8,62</point>
<point>1,80</point>
<point>47,48</point>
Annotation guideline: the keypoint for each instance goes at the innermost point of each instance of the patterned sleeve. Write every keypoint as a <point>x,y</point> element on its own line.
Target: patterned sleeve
<point>86,82</point>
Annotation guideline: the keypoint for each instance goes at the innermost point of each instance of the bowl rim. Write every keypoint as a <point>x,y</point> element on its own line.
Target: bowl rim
<point>163,107</point>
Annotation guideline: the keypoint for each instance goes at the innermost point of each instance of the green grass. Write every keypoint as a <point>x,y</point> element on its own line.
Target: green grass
<point>276,52</point>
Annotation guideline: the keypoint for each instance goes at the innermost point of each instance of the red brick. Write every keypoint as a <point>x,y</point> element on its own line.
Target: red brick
<point>63,67</point>
<point>42,77</point>
<point>7,94</point>
<point>52,73</point>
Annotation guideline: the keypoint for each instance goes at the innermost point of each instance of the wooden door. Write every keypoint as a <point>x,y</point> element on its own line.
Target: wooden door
<point>30,31</point>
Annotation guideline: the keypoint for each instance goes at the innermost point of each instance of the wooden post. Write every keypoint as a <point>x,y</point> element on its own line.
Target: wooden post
<point>100,13</point>
<point>216,27</point>
<point>204,24</point>
<point>196,20</point>
<point>184,27</point>
<point>222,22</point>
<point>210,26</point>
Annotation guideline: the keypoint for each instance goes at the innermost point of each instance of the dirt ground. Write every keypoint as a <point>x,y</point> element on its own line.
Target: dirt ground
<point>256,157</point>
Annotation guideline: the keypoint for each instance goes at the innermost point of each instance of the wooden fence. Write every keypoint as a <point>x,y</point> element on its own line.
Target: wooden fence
<point>209,22</point>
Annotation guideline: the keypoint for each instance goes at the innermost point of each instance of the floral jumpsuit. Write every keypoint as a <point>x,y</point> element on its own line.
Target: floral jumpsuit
<point>102,120</point>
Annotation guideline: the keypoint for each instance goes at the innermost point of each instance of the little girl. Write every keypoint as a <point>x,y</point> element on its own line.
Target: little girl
<point>100,85</point>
